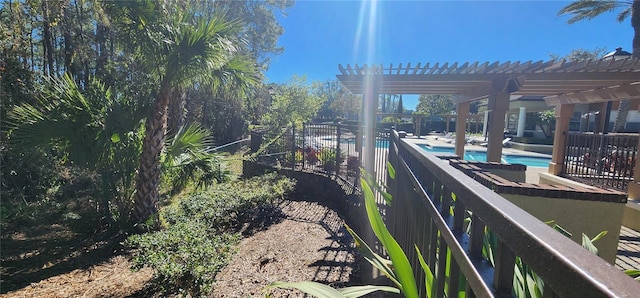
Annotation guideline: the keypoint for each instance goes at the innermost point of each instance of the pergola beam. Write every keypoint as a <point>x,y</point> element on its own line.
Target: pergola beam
<point>559,82</point>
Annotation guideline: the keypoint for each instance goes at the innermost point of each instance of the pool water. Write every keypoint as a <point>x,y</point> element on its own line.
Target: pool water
<point>530,161</point>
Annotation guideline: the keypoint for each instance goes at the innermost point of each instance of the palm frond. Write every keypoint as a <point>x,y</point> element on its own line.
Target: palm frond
<point>589,9</point>
<point>186,158</point>
<point>624,14</point>
<point>81,121</point>
<point>189,143</point>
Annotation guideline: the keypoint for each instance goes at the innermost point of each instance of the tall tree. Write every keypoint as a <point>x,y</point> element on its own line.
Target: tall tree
<point>588,9</point>
<point>400,109</point>
<point>434,105</point>
<point>261,29</point>
<point>293,102</point>
<point>180,47</point>
<point>581,54</point>
<point>339,101</point>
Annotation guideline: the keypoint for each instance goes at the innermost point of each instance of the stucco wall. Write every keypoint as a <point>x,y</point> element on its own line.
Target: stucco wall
<point>578,217</point>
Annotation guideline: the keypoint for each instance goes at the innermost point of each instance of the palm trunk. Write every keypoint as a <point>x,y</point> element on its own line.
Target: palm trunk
<point>621,117</point>
<point>148,179</point>
<point>623,109</point>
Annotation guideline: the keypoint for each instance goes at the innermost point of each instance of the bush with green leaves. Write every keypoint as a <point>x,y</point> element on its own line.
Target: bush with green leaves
<point>329,158</point>
<point>202,230</point>
<point>226,205</point>
<point>186,256</point>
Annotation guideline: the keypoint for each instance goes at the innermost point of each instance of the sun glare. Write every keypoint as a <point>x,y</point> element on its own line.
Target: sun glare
<point>367,32</point>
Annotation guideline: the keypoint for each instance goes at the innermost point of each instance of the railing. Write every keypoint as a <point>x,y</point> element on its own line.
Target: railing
<point>333,149</point>
<point>601,160</point>
<point>452,217</point>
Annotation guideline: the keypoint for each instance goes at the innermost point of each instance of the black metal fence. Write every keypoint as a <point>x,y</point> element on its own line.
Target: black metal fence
<point>478,244</point>
<point>603,160</point>
<point>333,149</point>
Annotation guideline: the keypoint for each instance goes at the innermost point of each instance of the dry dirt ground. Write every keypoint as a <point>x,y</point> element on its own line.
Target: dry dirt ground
<point>308,242</point>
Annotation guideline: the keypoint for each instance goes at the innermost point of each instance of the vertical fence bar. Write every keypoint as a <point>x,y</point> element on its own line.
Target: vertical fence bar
<point>601,160</point>
<point>339,158</point>
<point>503,274</point>
<point>304,145</point>
<point>441,267</point>
<point>293,146</point>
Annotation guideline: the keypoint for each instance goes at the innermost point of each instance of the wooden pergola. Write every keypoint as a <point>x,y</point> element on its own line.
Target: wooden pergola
<point>562,84</point>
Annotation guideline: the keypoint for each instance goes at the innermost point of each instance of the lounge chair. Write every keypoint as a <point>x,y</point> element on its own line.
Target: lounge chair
<point>505,143</point>
<point>448,135</point>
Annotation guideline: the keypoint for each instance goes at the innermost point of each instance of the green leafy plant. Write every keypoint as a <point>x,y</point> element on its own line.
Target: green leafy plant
<point>202,230</point>
<point>297,156</point>
<point>527,283</point>
<point>186,257</point>
<point>328,158</point>
<point>186,158</point>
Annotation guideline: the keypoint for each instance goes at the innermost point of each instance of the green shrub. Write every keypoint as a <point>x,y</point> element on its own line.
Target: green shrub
<point>329,158</point>
<point>202,232</point>
<point>185,256</point>
<point>298,156</point>
<point>224,206</point>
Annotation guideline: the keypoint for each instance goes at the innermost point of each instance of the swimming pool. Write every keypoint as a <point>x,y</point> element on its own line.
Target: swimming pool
<point>530,161</point>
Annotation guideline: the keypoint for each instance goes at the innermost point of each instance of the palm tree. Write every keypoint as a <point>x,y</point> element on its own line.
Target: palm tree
<point>92,126</point>
<point>182,49</point>
<point>588,9</point>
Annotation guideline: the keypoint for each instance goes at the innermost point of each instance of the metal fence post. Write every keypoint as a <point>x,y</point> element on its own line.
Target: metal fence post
<point>338,153</point>
<point>293,146</point>
<point>304,147</point>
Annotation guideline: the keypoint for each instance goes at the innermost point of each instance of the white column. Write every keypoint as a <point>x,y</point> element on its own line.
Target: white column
<point>522,118</point>
<point>484,124</point>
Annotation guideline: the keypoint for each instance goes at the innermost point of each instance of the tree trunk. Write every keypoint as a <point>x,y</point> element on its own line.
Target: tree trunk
<point>148,178</point>
<point>621,117</point>
<point>47,41</point>
<point>623,108</point>
<point>176,111</point>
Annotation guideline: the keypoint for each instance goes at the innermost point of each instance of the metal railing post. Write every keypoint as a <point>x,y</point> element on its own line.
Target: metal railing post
<point>293,146</point>
<point>338,153</point>
<point>304,143</point>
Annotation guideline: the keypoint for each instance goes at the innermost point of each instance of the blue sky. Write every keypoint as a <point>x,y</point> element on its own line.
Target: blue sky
<point>321,34</point>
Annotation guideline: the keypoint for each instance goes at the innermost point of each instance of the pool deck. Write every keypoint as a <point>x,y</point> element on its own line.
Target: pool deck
<point>532,174</point>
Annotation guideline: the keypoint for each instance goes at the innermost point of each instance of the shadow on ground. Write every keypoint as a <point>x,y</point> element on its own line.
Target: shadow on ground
<point>54,239</point>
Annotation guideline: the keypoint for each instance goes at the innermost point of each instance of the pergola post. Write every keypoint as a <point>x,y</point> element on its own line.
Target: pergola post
<point>370,103</point>
<point>498,105</point>
<point>563,117</point>
<point>462,111</point>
